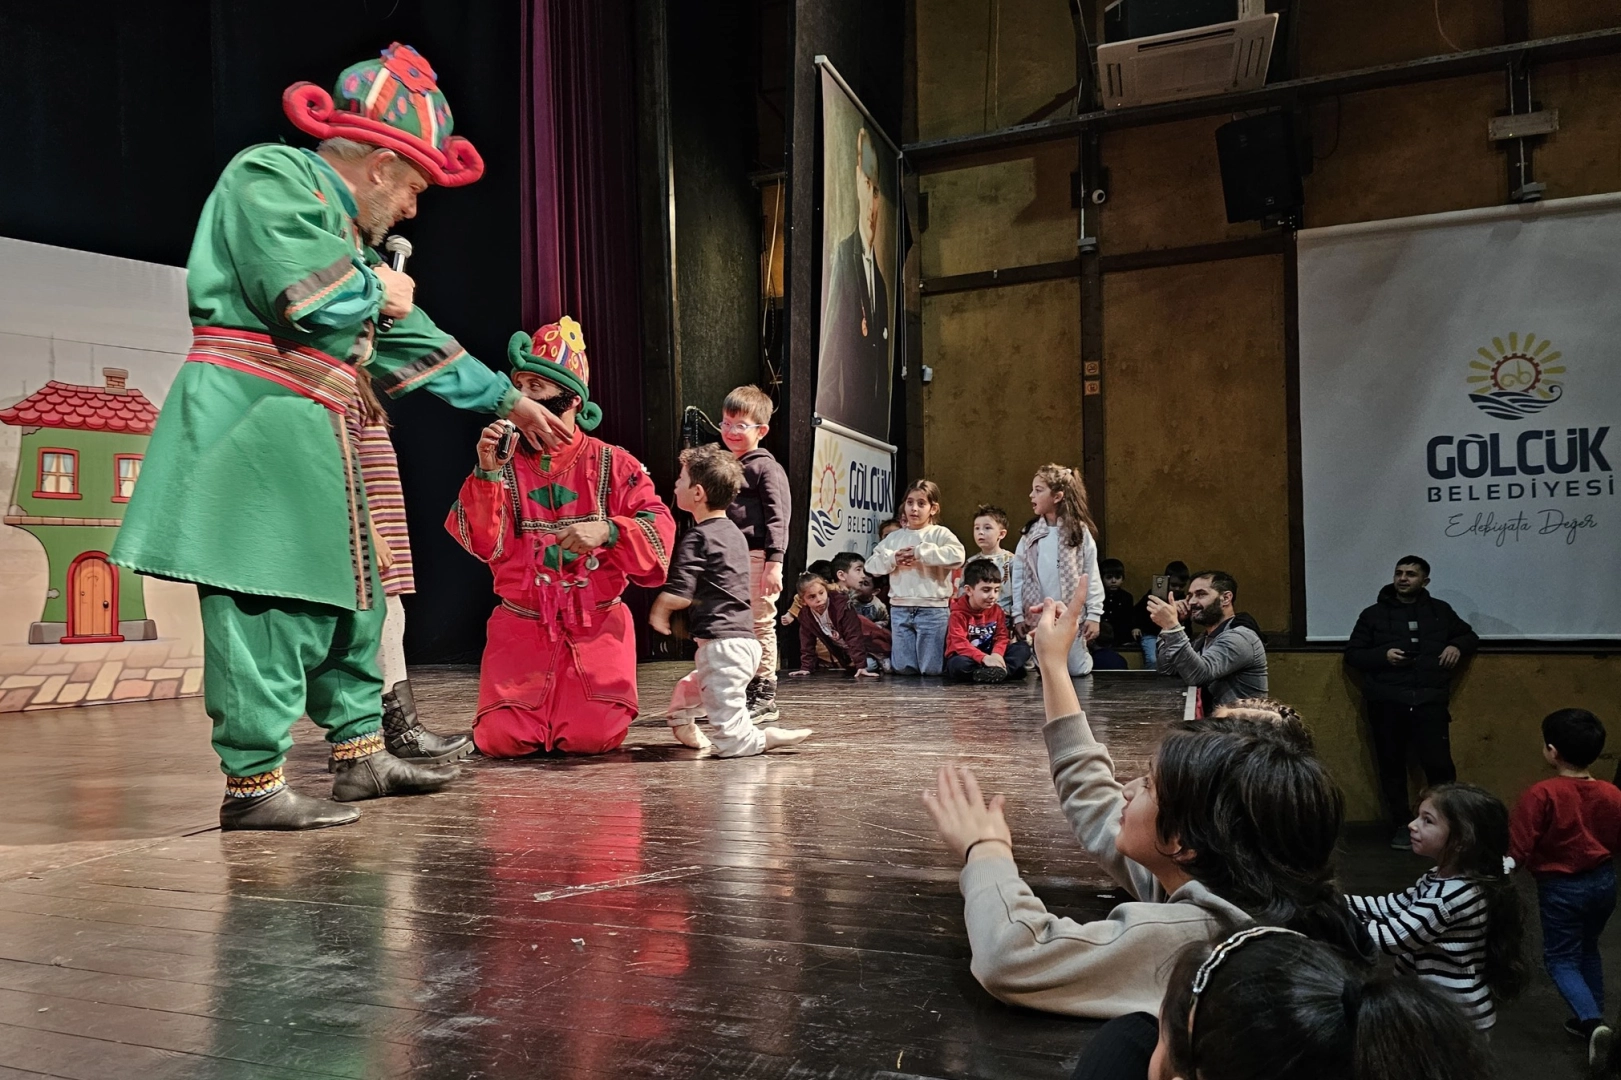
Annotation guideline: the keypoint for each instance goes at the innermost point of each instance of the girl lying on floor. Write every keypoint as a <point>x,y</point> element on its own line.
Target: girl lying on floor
<point>1235,821</point>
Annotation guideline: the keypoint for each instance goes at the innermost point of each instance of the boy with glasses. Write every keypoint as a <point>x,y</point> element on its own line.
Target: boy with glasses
<point>760,510</point>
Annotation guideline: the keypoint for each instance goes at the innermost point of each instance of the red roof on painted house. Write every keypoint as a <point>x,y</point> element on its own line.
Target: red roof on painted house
<point>85,408</point>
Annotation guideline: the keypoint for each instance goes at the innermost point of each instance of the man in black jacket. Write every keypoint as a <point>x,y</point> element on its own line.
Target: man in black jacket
<point>1407,646</point>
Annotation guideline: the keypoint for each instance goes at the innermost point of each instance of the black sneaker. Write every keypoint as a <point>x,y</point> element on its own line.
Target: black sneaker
<point>984,673</point>
<point>764,711</point>
<point>1576,1029</point>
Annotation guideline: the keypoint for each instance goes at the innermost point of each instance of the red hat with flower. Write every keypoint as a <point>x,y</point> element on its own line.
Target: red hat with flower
<point>557,352</point>
<point>395,103</point>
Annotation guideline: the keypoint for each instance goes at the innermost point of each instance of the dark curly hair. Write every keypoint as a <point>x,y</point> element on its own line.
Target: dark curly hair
<point>1261,817</point>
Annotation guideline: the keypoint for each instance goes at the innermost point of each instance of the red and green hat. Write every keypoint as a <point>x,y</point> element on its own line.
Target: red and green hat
<point>393,102</point>
<point>556,352</point>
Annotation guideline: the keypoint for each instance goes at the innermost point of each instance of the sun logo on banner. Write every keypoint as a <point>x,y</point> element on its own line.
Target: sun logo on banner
<point>1515,382</point>
<point>827,497</point>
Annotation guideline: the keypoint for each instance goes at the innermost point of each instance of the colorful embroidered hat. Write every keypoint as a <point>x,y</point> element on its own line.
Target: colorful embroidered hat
<point>393,103</point>
<point>556,352</point>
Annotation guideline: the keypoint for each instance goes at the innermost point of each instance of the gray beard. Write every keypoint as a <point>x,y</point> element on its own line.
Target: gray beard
<point>372,225</point>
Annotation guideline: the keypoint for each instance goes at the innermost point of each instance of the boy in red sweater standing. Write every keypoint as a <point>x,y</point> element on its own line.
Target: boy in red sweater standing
<point>1566,830</point>
<point>977,647</point>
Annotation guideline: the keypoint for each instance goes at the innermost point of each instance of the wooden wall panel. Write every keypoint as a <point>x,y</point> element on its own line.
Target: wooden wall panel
<point>1195,418</point>
<point>1006,395</point>
<point>1340,36</point>
<point>1550,18</point>
<point>1165,188</point>
<point>999,214</point>
<point>1497,707</point>
<point>1584,156</point>
<point>1407,150</point>
<point>985,64</point>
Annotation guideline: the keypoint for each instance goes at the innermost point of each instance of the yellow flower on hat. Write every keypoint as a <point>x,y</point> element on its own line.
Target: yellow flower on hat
<point>573,336</point>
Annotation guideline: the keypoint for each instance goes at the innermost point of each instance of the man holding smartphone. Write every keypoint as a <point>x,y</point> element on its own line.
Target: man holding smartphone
<point>1407,646</point>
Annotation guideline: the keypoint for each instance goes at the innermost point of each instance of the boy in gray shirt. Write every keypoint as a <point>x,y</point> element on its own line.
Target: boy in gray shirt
<point>709,576</point>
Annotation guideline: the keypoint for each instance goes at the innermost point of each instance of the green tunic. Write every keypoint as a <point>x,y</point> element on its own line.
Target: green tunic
<point>245,486</point>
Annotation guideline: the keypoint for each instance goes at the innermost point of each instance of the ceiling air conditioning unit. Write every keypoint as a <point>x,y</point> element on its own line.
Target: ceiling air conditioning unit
<point>1214,59</point>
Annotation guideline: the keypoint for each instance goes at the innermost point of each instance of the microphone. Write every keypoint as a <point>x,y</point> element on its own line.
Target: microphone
<point>400,248</point>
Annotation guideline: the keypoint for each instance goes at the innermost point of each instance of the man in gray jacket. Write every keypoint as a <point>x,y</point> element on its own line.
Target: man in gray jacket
<point>1229,661</point>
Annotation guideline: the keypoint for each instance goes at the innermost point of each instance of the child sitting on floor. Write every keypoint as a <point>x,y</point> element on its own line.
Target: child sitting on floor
<point>990,529</point>
<point>1104,656</point>
<point>977,646</point>
<point>823,569</point>
<point>1235,821</point>
<point>1119,608</point>
<point>864,598</point>
<point>827,619</point>
<point>709,576</point>
<point>1460,927</point>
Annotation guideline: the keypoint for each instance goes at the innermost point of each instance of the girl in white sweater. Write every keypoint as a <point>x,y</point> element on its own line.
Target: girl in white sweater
<point>1058,551</point>
<point>919,558</point>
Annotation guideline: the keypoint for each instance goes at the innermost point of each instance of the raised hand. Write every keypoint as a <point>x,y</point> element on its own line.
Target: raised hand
<point>962,815</point>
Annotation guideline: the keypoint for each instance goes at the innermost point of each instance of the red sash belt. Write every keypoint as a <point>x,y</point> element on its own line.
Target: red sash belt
<point>523,612</point>
<point>323,379</point>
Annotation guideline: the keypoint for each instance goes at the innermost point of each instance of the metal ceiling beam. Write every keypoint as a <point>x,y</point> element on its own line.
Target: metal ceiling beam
<point>932,154</point>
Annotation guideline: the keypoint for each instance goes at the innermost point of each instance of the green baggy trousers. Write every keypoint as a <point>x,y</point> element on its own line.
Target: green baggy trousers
<point>269,660</point>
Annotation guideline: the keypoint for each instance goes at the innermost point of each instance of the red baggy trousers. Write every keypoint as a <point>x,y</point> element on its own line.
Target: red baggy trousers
<point>544,687</point>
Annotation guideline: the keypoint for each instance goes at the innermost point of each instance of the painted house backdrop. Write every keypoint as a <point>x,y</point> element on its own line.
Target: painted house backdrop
<point>88,347</point>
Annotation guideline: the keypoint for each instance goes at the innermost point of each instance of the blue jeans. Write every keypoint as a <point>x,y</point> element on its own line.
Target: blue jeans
<point>1575,908</point>
<point>1150,644</point>
<point>917,639</point>
<point>1017,657</point>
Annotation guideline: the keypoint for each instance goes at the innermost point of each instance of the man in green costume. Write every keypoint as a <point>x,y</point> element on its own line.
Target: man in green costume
<point>251,486</point>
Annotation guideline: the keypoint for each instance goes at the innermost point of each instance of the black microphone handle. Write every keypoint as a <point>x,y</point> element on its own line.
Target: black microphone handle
<point>386,323</point>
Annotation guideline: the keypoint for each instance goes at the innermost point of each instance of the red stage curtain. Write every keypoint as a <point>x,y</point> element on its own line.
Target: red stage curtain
<point>578,197</point>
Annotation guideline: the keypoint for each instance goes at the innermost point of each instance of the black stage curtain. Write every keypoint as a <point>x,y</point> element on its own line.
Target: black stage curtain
<point>121,116</point>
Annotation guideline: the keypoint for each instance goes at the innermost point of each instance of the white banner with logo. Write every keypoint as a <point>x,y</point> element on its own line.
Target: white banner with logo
<point>1459,378</point>
<point>852,492</point>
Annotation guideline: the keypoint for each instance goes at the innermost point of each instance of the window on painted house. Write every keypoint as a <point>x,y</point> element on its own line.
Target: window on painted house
<point>58,472</point>
<point>129,470</point>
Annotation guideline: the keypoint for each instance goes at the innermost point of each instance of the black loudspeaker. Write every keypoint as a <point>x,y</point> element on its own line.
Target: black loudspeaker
<point>1260,168</point>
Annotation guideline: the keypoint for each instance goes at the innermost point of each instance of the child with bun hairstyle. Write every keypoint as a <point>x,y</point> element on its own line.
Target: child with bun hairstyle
<point>1268,1003</point>
<point>1460,927</point>
<point>919,558</point>
<point>1236,820</point>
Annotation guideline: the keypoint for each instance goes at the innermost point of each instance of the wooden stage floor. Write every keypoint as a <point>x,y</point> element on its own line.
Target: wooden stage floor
<point>643,914</point>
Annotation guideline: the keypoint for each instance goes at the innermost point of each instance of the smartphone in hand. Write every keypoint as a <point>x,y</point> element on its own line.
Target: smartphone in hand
<point>1162,587</point>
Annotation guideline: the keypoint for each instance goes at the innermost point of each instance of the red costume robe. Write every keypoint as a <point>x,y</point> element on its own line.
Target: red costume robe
<point>559,668</point>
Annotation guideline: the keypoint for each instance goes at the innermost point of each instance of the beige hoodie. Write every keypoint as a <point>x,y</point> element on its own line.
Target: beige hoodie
<point>1025,955</point>
<point>929,582</point>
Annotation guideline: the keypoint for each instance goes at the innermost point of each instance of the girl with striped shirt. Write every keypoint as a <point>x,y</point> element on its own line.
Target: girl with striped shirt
<point>1460,928</point>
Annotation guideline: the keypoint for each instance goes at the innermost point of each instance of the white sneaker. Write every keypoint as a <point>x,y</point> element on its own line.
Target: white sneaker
<point>691,735</point>
<point>1598,1050</point>
<point>778,737</point>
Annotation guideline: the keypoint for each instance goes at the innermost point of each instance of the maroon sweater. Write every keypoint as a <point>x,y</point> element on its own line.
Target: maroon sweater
<point>846,644</point>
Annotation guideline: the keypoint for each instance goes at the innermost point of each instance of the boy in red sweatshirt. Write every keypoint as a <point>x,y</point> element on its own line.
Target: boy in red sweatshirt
<point>977,647</point>
<point>1566,830</point>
